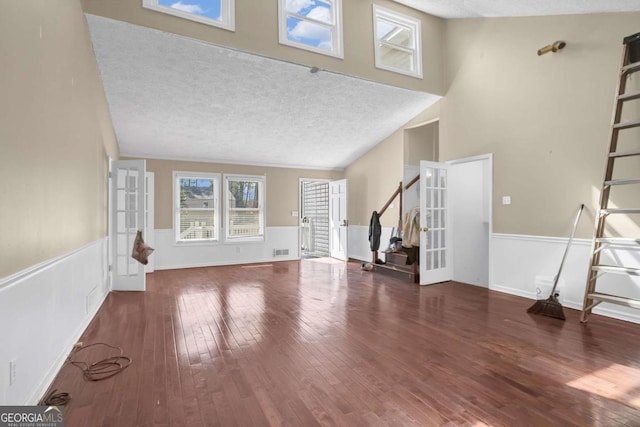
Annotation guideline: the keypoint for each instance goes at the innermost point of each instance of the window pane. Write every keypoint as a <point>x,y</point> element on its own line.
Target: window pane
<point>244,223</point>
<point>196,193</point>
<point>207,8</point>
<point>309,33</point>
<point>396,58</point>
<point>197,224</point>
<point>244,194</point>
<point>394,33</point>
<point>245,214</point>
<point>315,9</point>
<point>197,210</point>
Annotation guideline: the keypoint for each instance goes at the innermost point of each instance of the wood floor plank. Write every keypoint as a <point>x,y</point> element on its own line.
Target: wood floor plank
<point>303,343</point>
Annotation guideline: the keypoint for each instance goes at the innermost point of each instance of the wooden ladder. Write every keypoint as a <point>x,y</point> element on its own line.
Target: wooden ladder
<point>630,65</point>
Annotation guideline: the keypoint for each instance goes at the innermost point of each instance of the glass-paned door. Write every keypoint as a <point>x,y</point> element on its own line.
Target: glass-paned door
<point>435,230</point>
<point>128,215</point>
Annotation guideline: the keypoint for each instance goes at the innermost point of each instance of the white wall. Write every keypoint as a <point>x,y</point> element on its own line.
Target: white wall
<point>170,255</point>
<point>43,312</point>
<point>523,263</point>
<point>359,242</point>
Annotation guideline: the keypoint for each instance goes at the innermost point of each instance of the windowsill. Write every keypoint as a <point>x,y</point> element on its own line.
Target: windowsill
<point>197,243</point>
<point>244,240</point>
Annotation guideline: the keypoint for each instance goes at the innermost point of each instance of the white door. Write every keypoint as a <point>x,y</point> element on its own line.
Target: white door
<point>128,214</point>
<point>435,228</point>
<point>470,202</point>
<point>338,221</point>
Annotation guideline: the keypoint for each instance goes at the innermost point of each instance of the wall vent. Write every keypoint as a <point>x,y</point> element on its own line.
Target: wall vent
<point>280,252</point>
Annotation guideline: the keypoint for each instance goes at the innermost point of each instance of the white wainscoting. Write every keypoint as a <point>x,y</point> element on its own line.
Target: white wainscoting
<point>169,255</point>
<point>358,245</point>
<point>43,312</point>
<point>521,264</point>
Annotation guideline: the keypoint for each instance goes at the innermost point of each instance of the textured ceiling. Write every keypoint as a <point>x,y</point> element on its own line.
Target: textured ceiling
<point>176,98</point>
<point>495,8</point>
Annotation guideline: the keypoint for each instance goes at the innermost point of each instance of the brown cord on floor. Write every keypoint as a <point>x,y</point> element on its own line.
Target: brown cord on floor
<point>56,399</point>
<point>102,369</point>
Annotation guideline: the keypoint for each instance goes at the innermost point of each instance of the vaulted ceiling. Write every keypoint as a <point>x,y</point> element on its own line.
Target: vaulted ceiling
<point>177,98</point>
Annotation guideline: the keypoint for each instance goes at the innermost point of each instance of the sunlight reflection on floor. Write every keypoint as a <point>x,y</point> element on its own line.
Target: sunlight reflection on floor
<point>604,382</point>
<point>325,260</point>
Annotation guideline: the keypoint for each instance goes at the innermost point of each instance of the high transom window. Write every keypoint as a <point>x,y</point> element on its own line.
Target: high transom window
<point>397,42</point>
<point>314,25</point>
<point>219,13</point>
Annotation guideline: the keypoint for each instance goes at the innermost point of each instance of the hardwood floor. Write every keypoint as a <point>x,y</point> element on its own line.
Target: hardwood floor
<point>322,343</point>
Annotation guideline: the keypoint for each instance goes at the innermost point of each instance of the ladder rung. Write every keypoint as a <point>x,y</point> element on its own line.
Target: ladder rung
<point>627,125</point>
<point>625,153</point>
<point>629,302</point>
<point>616,270</point>
<point>631,68</point>
<point>622,181</point>
<point>618,241</point>
<point>619,211</point>
<point>629,96</point>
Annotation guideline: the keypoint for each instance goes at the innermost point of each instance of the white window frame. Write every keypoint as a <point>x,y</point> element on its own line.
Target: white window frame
<point>336,29</point>
<point>413,25</point>
<point>261,207</point>
<point>227,11</point>
<point>177,175</point>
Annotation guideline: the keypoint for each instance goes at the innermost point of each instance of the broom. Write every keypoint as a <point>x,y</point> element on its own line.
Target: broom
<point>551,306</point>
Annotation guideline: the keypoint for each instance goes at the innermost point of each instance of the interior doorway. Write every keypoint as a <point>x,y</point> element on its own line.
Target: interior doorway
<point>314,218</point>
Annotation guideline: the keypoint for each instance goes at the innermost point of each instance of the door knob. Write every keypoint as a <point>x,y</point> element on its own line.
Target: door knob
<point>345,223</point>
<point>424,229</point>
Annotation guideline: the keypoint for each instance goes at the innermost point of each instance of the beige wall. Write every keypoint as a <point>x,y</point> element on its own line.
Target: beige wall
<point>421,143</point>
<point>375,176</point>
<point>546,119</point>
<point>282,187</point>
<point>55,134</point>
<point>257,32</point>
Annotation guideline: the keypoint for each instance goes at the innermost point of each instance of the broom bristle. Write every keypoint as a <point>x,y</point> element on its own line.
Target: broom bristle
<point>549,307</point>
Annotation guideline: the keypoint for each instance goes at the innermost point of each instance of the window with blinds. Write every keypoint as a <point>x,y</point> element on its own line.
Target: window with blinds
<point>196,212</point>
<point>244,207</point>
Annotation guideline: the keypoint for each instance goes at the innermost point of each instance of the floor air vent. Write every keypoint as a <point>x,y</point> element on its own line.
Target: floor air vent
<point>280,252</point>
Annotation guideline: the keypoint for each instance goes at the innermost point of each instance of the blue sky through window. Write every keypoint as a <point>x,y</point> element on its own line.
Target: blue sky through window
<point>309,32</point>
<point>206,8</point>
